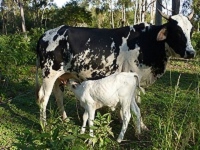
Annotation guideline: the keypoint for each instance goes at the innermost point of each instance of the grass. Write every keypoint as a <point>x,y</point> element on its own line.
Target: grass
<point>170,109</point>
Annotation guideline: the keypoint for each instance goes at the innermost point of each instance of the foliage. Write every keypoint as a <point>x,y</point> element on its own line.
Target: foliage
<point>65,135</point>
<point>102,132</point>
<point>80,15</point>
<point>57,135</point>
<point>14,51</point>
<point>196,42</point>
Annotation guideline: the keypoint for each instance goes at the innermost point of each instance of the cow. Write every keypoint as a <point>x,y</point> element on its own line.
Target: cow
<point>93,53</point>
<point>117,88</point>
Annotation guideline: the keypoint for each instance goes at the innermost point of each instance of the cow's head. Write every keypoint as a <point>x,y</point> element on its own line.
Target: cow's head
<point>177,33</point>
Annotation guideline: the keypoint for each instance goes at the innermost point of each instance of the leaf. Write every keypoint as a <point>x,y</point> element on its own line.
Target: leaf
<point>55,133</point>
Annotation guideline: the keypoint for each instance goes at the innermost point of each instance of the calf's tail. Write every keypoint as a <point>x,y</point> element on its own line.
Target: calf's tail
<point>138,83</point>
<point>37,86</point>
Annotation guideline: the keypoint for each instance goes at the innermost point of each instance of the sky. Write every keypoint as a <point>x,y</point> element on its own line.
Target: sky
<point>60,3</point>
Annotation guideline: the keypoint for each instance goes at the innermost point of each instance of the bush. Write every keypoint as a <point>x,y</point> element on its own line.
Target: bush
<point>16,50</point>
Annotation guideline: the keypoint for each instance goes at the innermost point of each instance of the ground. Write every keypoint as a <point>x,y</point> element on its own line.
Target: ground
<point>170,109</point>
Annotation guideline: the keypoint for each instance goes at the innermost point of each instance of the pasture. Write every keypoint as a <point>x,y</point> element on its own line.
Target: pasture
<point>170,109</point>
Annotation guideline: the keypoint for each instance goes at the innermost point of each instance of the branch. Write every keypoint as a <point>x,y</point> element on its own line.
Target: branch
<point>149,5</point>
<point>164,6</point>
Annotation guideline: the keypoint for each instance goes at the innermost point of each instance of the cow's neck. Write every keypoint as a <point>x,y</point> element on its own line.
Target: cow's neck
<point>152,58</point>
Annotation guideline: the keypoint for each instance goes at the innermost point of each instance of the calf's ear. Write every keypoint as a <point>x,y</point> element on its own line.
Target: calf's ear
<point>162,35</point>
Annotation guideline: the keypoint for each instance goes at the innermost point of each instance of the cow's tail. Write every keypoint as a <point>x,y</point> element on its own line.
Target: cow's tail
<point>37,86</point>
<point>138,84</point>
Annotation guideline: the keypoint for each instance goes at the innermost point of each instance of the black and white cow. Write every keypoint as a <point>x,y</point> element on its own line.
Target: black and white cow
<point>92,53</point>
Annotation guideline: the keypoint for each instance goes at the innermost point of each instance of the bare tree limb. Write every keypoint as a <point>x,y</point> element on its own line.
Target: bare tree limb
<point>164,7</point>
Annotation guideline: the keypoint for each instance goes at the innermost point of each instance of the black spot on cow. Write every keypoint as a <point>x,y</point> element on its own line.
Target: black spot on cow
<point>46,72</point>
<point>55,37</point>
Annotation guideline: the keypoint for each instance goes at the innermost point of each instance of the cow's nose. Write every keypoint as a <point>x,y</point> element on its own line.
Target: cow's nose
<point>190,54</point>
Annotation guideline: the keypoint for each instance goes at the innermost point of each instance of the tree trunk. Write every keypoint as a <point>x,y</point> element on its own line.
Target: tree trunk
<point>175,7</point>
<point>123,20</point>
<point>152,12</point>
<point>144,3</point>
<point>140,11</point>
<point>136,9</point>
<point>158,17</point>
<point>3,17</point>
<point>111,14</point>
<point>22,16</point>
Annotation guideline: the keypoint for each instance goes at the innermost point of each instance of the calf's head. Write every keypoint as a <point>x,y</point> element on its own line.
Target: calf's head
<point>177,33</point>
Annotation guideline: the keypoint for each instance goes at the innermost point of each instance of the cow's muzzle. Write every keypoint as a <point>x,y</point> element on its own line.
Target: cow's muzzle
<point>190,54</point>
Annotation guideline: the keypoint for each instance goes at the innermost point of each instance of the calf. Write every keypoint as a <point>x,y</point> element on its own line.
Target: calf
<point>109,91</point>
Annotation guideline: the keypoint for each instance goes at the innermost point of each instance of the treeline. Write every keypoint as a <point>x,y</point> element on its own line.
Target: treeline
<point>23,15</point>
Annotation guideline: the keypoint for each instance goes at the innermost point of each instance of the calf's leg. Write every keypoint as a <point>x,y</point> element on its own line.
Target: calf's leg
<point>85,118</point>
<point>126,118</point>
<point>136,110</point>
<point>91,113</point>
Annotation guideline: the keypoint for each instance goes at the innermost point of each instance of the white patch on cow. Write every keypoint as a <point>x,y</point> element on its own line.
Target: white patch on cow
<point>127,62</point>
<point>86,53</point>
<point>136,46</point>
<point>147,26</point>
<point>49,35</point>
<point>88,41</point>
<point>132,28</point>
<point>186,26</point>
<point>112,46</point>
<point>124,46</point>
<point>109,60</point>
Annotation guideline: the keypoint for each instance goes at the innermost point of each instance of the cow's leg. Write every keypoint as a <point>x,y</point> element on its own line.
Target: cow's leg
<point>136,110</point>
<point>85,118</point>
<point>44,94</point>
<point>58,92</point>
<point>91,113</point>
<point>126,118</point>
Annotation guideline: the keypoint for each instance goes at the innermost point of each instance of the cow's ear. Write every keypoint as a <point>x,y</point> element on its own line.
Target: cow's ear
<point>162,35</point>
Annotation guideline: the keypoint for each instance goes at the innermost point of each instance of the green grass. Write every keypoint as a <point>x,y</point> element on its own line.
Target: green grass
<point>170,109</point>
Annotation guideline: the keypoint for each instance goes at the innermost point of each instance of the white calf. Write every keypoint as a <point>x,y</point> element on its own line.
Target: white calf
<point>116,88</point>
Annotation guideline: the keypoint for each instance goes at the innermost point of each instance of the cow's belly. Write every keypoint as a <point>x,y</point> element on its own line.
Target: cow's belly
<point>126,61</point>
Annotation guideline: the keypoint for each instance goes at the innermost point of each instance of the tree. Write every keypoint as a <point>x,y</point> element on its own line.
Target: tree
<point>72,14</point>
<point>3,17</point>
<point>152,11</point>
<point>20,4</point>
<point>158,17</point>
<point>123,5</point>
<point>175,7</point>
